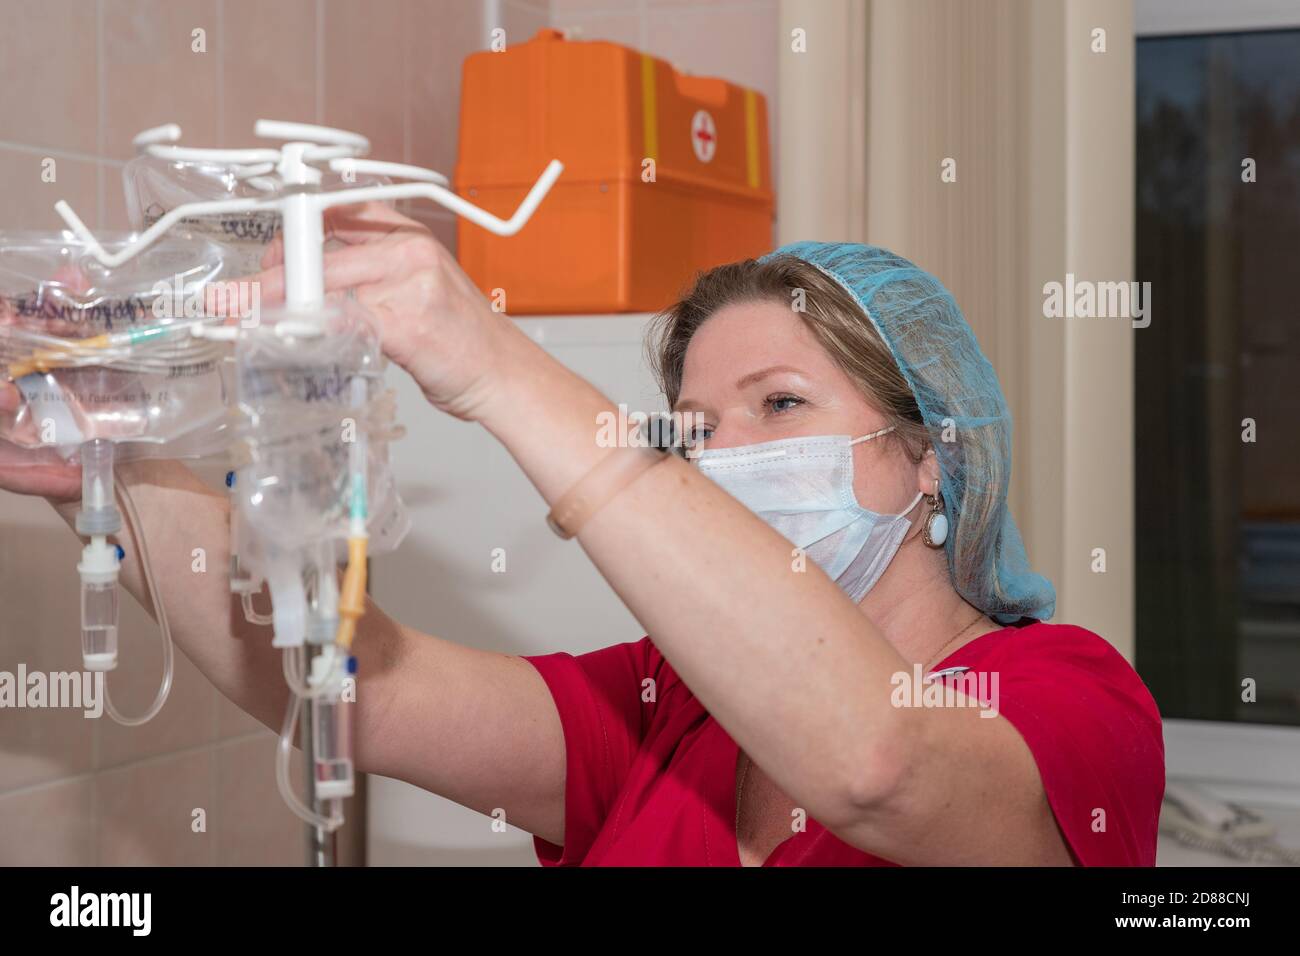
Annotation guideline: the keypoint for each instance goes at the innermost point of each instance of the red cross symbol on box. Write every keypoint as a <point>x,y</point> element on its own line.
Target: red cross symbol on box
<point>704,136</point>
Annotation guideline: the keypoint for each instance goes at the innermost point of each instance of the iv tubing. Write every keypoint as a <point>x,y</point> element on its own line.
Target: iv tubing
<point>303,812</point>
<point>251,615</point>
<point>142,552</point>
<point>295,674</point>
<point>352,596</point>
<point>158,350</point>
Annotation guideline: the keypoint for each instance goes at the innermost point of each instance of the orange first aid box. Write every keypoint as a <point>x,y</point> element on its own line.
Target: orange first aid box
<point>665,175</point>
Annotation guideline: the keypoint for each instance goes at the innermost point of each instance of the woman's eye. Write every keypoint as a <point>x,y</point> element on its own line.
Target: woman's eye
<point>782,403</point>
<point>697,436</point>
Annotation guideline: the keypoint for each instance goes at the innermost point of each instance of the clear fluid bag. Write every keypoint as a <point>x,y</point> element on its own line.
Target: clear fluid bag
<point>303,402</point>
<point>108,353</point>
<point>155,186</point>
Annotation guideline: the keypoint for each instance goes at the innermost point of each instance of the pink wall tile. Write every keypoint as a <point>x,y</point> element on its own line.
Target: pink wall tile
<point>439,35</point>
<point>53,825</point>
<point>522,21</point>
<point>27,202</point>
<point>737,43</point>
<point>624,28</point>
<point>42,632</point>
<point>145,812</point>
<point>563,8</point>
<point>365,76</point>
<point>112,202</point>
<point>268,53</point>
<point>151,74</point>
<point>261,61</point>
<point>234,722</point>
<point>48,70</point>
<point>726,6</point>
<point>188,719</point>
<point>252,826</point>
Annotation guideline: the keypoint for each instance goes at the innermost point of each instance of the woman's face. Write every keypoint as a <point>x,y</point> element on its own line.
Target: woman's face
<point>755,373</point>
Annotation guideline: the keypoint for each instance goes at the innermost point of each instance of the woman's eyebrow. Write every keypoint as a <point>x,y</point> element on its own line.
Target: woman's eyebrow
<point>747,380</point>
<point>685,404</point>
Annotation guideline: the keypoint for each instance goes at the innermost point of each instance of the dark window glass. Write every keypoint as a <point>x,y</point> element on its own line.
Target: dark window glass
<point>1218,517</point>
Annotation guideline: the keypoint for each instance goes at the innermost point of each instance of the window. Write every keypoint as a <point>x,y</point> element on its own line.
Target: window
<point>1218,236</point>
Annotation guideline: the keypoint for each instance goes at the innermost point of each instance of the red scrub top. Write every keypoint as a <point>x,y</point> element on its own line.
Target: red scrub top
<point>651,778</point>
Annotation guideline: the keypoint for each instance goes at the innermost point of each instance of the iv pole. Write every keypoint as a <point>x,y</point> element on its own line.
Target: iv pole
<point>301,212</point>
<point>322,844</point>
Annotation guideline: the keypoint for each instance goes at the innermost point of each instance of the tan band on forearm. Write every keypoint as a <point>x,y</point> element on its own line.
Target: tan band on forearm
<point>606,479</point>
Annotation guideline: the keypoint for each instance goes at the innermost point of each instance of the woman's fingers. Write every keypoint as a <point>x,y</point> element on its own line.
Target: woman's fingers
<point>24,473</point>
<point>365,264</point>
<point>32,471</point>
<point>274,254</point>
<point>345,268</point>
<point>352,225</point>
<point>365,222</point>
<point>231,298</point>
<point>10,397</point>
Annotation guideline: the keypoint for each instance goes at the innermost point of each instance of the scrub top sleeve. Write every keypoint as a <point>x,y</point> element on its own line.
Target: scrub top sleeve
<point>598,696</point>
<point>1096,736</point>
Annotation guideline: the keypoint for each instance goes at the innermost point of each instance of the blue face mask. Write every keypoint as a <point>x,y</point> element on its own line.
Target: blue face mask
<point>803,488</point>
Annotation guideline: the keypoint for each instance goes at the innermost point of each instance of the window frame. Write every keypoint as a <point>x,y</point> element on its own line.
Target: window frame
<point>1254,763</point>
<point>1155,18</point>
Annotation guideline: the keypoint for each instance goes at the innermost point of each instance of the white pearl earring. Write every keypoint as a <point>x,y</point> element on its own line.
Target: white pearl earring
<point>935,530</point>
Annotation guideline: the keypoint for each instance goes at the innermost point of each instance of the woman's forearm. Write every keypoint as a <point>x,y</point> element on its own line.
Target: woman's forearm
<point>471,725</point>
<point>792,668</point>
<point>186,528</point>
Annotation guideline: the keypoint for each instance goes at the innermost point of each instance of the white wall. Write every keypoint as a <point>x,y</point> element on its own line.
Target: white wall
<point>467,497</point>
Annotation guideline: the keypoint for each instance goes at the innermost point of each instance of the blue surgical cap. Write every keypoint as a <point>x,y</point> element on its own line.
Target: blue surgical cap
<point>964,411</point>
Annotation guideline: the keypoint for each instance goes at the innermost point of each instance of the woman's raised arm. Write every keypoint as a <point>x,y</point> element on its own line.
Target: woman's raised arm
<point>796,673</point>
<point>477,727</point>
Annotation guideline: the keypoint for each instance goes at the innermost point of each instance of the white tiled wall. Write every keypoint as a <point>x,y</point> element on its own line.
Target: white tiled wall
<point>82,78</point>
<point>83,792</point>
<point>468,498</point>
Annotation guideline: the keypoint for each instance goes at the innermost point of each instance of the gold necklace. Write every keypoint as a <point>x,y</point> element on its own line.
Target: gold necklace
<point>938,656</point>
<point>744,771</point>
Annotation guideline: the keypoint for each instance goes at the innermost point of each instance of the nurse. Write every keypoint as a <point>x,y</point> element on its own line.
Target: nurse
<point>839,524</point>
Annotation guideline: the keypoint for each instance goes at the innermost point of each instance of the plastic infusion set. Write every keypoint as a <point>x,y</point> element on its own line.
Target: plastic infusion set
<point>312,489</point>
<point>163,176</point>
<point>156,344</point>
<point>115,355</point>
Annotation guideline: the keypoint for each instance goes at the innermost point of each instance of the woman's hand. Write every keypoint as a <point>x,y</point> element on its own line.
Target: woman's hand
<point>433,321</point>
<point>23,470</point>
<point>34,471</point>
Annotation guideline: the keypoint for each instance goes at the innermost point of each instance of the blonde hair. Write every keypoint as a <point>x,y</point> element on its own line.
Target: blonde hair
<point>852,341</point>
<point>831,315</point>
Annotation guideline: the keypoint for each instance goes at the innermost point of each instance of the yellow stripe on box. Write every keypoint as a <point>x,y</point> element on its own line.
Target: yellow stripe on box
<point>751,137</point>
<point>649,116</point>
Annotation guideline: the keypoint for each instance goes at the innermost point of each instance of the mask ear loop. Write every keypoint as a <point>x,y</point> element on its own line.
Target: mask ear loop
<point>883,431</point>
<point>912,507</point>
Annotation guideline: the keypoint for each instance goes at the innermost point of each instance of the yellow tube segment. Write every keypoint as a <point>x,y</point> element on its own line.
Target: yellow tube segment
<point>352,596</point>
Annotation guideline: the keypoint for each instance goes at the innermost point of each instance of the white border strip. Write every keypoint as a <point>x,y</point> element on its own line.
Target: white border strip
<point>1243,757</point>
<point>1174,17</point>
<point>623,328</point>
